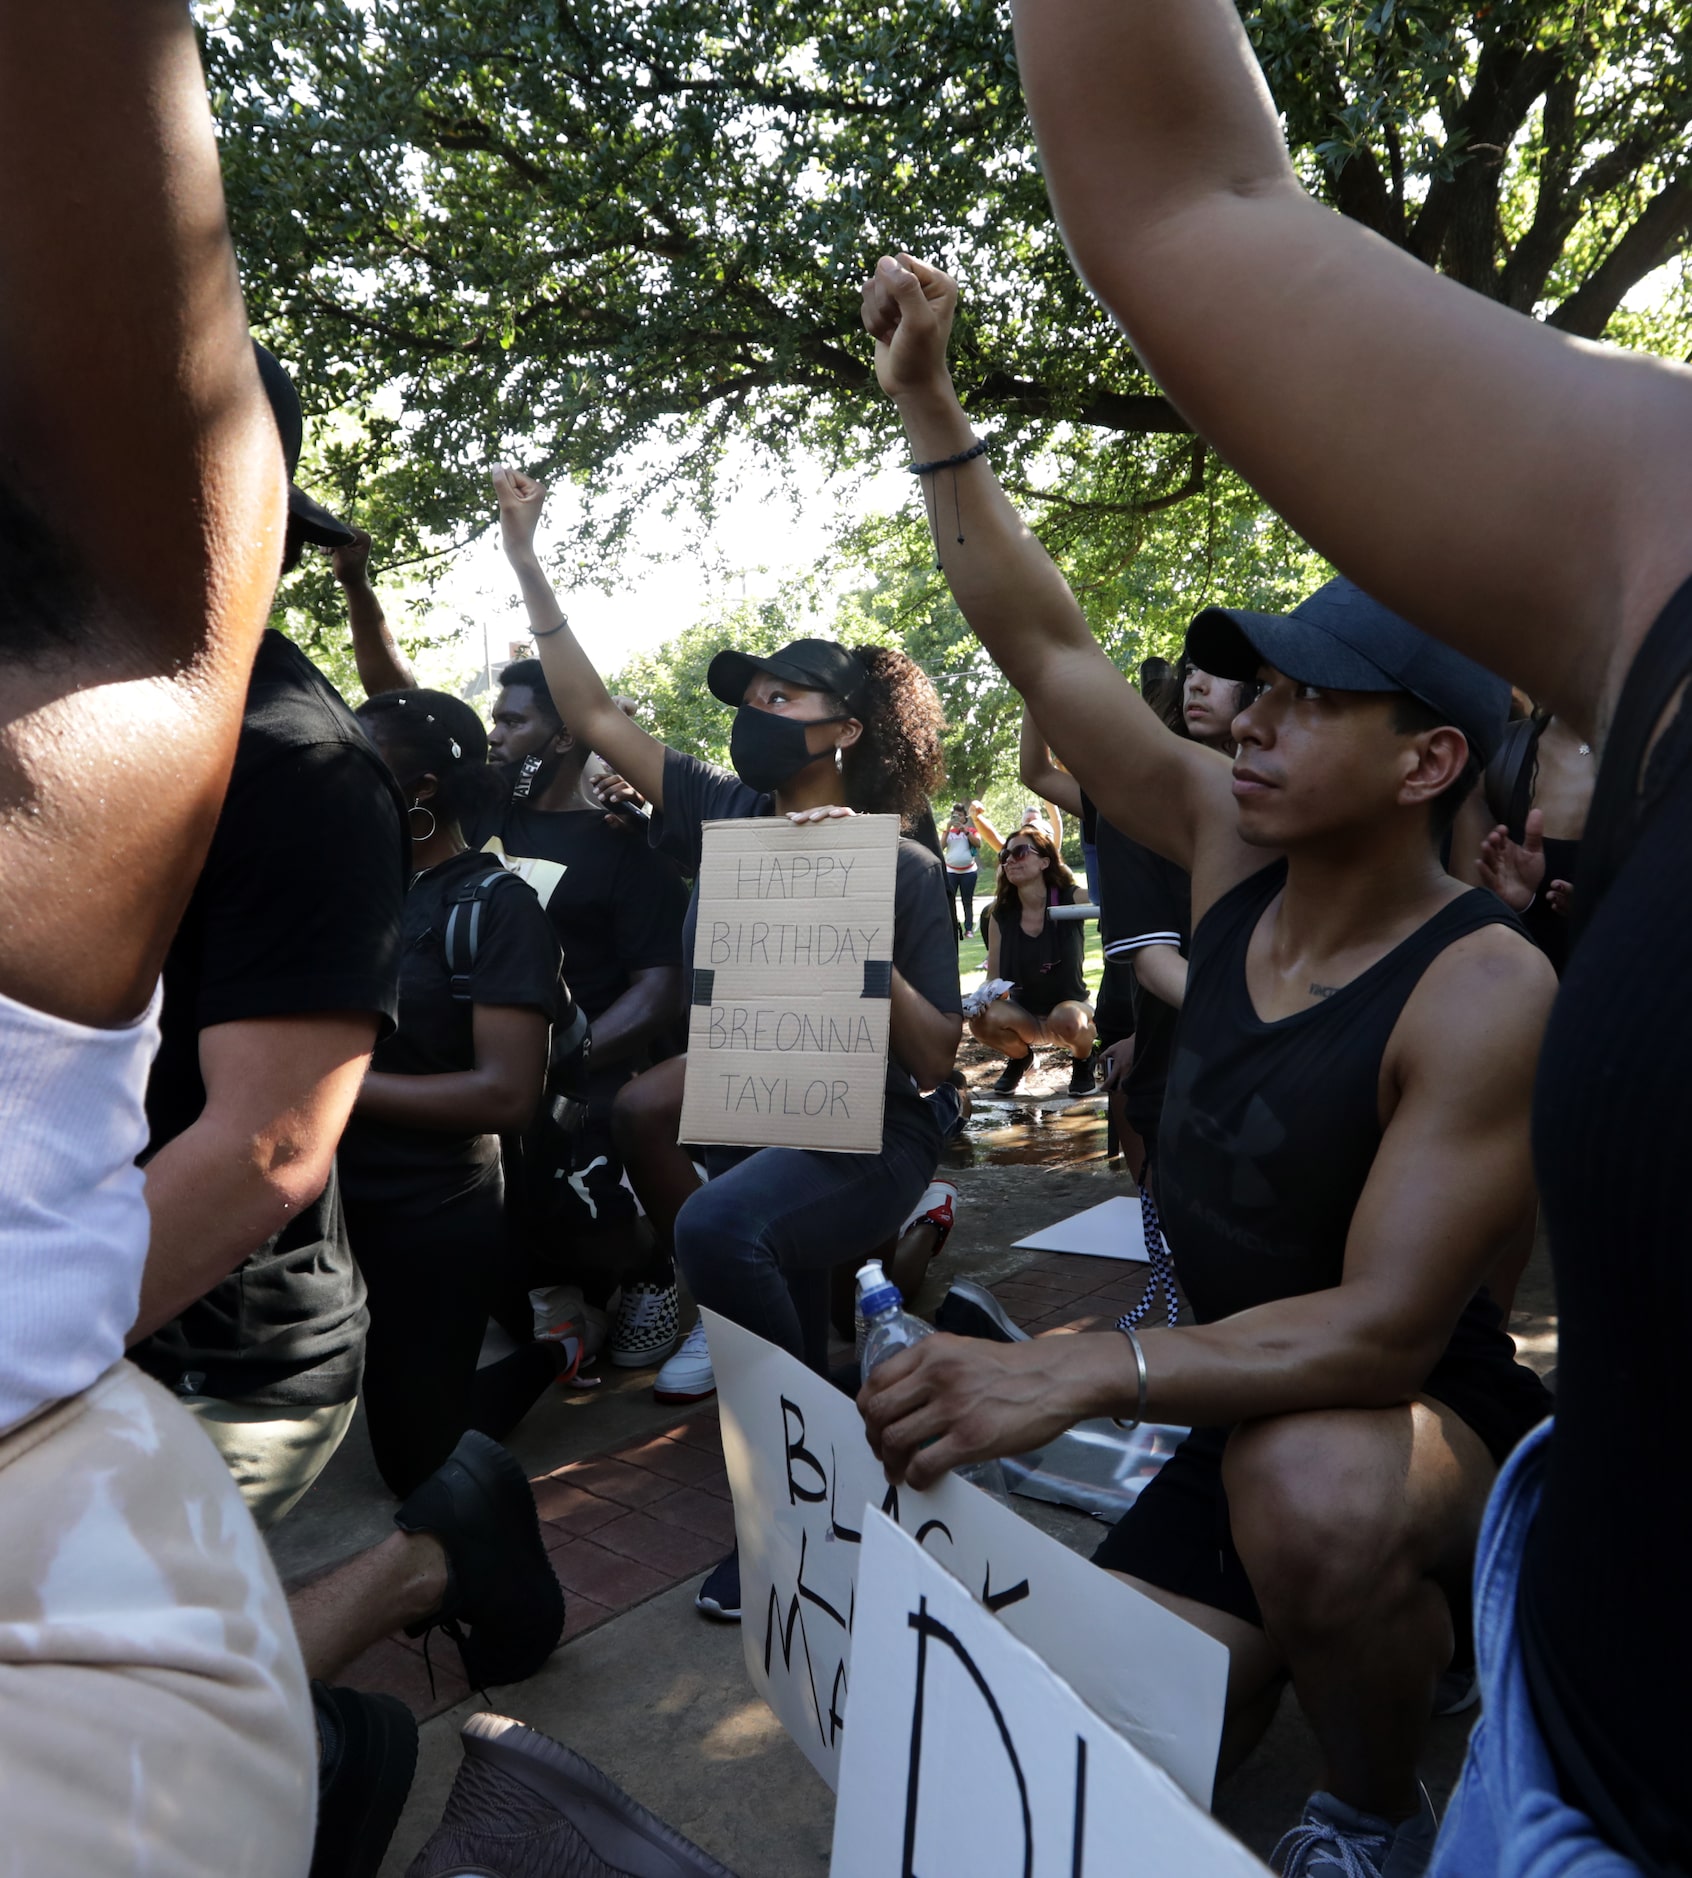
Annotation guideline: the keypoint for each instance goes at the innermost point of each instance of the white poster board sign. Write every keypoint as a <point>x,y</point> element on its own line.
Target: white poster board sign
<point>803,1475</point>
<point>967,1753</point>
<point>1115,1229</point>
<point>792,984</point>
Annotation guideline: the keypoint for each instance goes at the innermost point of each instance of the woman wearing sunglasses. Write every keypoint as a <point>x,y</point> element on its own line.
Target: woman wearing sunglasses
<point>1041,956</point>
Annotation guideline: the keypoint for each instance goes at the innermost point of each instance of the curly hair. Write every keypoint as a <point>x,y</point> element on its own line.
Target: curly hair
<point>1006,899</point>
<point>898,764</point>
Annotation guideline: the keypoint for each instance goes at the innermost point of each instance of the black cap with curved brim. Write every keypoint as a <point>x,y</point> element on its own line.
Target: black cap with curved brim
<point>311,519</point>
<point>1342,640</point>
<point>817,664</point>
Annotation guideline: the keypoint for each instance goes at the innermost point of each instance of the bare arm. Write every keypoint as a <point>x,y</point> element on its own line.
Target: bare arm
<point>1167,793</point>
<point>1348,382</point>
<point>499,1094</point>
<point>923,1038</point>
<point>382,666</point>
<point>141,499</point>
<point>989,834</point>
<point>1163,972</point>
<point>653,999</point>
<point>589,710</point>
<point>1055,787</point>
<point>278,1093</point>
<point>1416,1252</point>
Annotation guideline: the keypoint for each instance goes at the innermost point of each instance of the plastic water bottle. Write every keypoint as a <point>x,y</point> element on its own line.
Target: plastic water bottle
<point>889,1327</point>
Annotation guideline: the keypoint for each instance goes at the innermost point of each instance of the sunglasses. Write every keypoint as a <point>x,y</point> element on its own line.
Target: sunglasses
<point>1022,854</point>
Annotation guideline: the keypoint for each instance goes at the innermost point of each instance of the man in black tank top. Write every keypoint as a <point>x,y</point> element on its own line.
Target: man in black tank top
<point>1344,1153</point>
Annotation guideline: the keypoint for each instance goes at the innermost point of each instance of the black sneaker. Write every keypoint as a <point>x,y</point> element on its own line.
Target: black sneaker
<point>1081,1076</point>
<point>971,1310</point>
<point>525,1806</point>
<point>719,1596</point>
<point>366,1758</point>
<point>1012,1073</point>
<point>500,1583</point>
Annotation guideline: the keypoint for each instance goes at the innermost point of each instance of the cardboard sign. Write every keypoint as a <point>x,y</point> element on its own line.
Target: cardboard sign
<point>792,984</point>
<point>967,1753</point>
<point>1112,1230</point>
<point>803,1474</point>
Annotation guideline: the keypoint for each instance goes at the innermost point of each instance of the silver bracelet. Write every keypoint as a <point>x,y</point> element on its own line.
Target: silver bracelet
<point>1132,1335</point>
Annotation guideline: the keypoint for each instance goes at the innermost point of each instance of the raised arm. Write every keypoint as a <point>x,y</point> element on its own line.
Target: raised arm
<point>382,666</point>
<point>141,497</point>
<point>989,834</point>
<point>1168,794</point>
<point>1382,409</point>
<point>589,710</point>
<point>1055,787</point>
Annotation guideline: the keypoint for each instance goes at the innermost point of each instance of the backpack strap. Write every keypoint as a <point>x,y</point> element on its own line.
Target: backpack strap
<point>463,934</point>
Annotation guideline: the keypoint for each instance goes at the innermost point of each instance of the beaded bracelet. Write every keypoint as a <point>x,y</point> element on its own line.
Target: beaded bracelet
<point>979,448</point>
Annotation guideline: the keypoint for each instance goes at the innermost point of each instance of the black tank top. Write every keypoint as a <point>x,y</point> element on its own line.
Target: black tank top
<point>1046,967</point>
<point>1605,1632</point>
<point>1269,1131</point>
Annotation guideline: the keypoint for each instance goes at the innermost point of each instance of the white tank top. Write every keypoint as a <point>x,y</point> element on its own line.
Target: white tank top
<point>73,1220</point>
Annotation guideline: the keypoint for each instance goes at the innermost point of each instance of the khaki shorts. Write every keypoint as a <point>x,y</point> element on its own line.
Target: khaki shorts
<point>154,1715</point>
<point>273,1453</point>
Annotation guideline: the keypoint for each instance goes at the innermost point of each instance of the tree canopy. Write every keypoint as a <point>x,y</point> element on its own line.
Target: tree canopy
<point>608,240</point>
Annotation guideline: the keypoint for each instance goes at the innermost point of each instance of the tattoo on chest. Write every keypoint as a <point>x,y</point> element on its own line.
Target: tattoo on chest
<point>1324,991</point>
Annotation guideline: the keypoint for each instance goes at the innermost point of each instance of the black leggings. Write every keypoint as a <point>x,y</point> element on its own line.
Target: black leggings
<point>431,1274</point>
<point>962,886</point>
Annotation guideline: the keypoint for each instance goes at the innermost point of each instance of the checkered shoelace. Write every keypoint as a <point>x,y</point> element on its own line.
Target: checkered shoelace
<point>1162,1271</point>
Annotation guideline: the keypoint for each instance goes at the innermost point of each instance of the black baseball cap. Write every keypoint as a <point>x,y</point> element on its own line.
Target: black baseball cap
<point>311,519</point>
<point>1342,640</point>
<point>817,664</point>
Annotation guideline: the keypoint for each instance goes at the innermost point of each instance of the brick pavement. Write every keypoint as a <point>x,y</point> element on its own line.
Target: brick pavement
<point>619,1528</point>
<point>623,1526</point>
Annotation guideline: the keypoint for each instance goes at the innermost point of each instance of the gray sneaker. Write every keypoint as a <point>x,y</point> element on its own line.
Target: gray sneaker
<point>1334,1840</point>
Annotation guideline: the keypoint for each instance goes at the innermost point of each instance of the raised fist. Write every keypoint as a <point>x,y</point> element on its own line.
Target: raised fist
<point>521,500</point>
<point>351,561</point>
<point>908,308</point>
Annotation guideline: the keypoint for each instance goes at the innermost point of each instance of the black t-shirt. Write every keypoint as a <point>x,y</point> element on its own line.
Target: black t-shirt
<point>517,963</point>
<point>296,911</point>
<point>1144,900</point>
<point>615,905</point>
<point>1048,967</point>
<point>925,950</point>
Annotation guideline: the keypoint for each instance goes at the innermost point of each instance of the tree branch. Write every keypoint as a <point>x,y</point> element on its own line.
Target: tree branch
<point>1662,228</point>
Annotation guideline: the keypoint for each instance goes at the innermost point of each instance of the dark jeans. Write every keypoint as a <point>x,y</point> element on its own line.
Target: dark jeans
<point>431,1273</point>
<point>757,1242</point>
<point>962,886</point>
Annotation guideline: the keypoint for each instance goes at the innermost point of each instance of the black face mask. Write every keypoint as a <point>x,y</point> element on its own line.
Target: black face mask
<point>532,777</point>
<point>768,750</point>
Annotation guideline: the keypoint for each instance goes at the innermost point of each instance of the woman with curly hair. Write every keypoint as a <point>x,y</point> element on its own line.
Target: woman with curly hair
<point>820,730</point>
<point>1042,958</point>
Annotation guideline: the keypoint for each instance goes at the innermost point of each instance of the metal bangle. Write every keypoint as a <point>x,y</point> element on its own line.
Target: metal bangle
<point>1139,1379</point>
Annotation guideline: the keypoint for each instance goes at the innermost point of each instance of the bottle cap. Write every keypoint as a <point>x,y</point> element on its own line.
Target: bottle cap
<point>875,1293</point>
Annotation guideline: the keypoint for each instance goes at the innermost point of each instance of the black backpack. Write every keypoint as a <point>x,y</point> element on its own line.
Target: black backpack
<point>572,1039</point>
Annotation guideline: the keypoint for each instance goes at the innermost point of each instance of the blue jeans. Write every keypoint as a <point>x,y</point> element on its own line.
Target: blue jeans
<point>1507,1818</point>
<point>756,1243</point>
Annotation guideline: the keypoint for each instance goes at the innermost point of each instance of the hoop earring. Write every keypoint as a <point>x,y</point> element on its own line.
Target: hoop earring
<point>417,808</point>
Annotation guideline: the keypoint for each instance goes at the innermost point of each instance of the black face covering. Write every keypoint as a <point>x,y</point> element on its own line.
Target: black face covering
<point>768,750</point>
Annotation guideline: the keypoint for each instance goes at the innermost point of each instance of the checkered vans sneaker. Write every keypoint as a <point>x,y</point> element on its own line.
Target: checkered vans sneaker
<point>647,1327</point>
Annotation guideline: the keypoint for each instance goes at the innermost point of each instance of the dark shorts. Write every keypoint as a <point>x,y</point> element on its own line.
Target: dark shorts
<point>1177,1534</point>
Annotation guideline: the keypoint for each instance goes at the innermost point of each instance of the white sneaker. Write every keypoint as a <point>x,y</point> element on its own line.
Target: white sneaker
<point>647,1326</point>
<point>687,1376</point>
